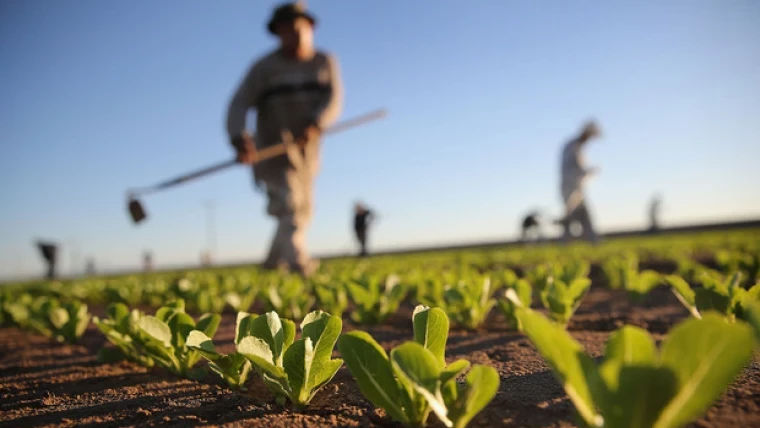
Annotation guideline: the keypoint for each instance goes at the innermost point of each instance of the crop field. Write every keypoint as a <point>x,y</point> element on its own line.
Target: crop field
<point>648,331</point>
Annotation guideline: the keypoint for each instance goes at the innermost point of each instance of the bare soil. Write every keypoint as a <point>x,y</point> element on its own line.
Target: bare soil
<point>44,383</point>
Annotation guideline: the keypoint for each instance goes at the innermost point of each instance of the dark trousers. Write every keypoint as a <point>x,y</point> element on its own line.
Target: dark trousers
<point>361,236</point>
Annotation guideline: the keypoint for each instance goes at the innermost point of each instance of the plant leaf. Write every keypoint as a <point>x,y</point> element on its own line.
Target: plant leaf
<point>431,330</point>
<point>208,324</point>
<point>480,387</point>
<point>200,342</point>
<point>372,370</point>
<point>257,350</point>
<point>705,355</point>
<point>418,367</point>
<point>571,366</point>
<point>155,329</point>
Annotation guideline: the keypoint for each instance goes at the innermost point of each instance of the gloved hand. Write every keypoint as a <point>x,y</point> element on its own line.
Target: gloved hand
<point>245,148</point>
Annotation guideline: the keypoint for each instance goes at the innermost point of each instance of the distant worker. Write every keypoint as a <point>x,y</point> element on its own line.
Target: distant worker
<point>49,252</point>
<point>296,92</point>
<point>147,261</point>
<point>574,175</point>
<point>362,218</point>
<point>654,213</point>
<point>531,227</point>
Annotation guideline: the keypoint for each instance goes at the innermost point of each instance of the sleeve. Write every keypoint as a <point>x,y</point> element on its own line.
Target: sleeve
<point>329,111</point>
<point>244,98</point>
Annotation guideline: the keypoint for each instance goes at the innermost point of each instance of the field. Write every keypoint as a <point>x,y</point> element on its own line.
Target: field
<point>73,381</point>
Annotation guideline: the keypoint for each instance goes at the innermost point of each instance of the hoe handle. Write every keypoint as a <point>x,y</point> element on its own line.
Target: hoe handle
<point>263,154</point>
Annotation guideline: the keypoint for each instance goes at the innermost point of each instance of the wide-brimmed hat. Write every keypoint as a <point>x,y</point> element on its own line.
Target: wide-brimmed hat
<point>289,12</point>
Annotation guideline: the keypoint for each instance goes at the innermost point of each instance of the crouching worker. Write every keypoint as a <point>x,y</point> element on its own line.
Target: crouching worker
<point>296,92</point>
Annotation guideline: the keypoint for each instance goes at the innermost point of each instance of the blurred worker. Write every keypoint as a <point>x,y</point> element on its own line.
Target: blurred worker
<point>362,218</point>
<point>531,227</point>
<point>296,92</point>
<point>574,174</point>
<point>49,252</point>
<point>654,213</point>
<point>147,261</point>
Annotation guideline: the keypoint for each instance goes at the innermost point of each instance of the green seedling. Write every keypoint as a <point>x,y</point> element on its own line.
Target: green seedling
<point>623,272</point>
<point>563,299</point>
<point>158,339</point>
<point>518,293</point>
<point>719,294</point>
<point>295,370</point>
<point>232,368</point>
<point>375,297</point>
<point>64,322</point>
<point>637,386</point>
<point>468,301</point>
<point>415,379</point>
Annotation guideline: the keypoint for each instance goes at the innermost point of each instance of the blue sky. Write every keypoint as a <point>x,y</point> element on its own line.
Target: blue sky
<point>100,96</point>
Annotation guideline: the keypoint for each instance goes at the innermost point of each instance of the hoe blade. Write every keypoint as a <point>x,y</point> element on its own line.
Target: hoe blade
<point>136,211</point>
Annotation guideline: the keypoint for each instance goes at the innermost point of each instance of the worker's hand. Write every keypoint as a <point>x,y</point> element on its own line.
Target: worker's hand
<point>245,148</point>
<point>311,133</point>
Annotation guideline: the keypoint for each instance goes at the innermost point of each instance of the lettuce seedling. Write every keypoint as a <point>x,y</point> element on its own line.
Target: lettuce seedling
<point>160,338</point>
<point>232,368</point>
<point>566,272</point>
<point>563,299</point>
<point>719,294</point>
<point>243,299</point>
<point>469,300</point>
<point>331,297</point>
<point>635,386</point>
<point>522,292</point>
<point>623,272</point>
<point>415,378</point>
<point>295,370</point>
<point>375,302</point>
<point>289,296</point>
<point>47,316</point>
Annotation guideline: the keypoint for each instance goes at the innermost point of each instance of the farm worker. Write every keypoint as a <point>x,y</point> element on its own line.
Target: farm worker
<point>296,92</point>
<point>49,252</point>
<point>654,213</point>
<point>362,218</point>
<point>574,174</point>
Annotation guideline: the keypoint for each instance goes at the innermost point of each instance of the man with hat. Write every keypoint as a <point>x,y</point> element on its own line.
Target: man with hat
<point>574,175</point>
<point>296,92</point>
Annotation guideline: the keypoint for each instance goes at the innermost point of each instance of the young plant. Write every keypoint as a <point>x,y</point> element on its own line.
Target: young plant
<point>232,368</point>
<point>635,386</point>
<point>415,379</point>
<point>375,302</point>
<point>469,300</point>
<point>566,271</point>
<point>241,300</point>
<point>518,293</point>
<point>45,315</point>
<point>295,370</point>
<point>289,296</point>
<point>563,299</point>
<point>722,295</point>
<point>623,272</point>
<point>160,338</point>
<point>332,297</point>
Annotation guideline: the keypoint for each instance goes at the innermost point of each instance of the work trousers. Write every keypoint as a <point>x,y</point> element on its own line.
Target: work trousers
<point>289,190</point>
<point>579,215</point>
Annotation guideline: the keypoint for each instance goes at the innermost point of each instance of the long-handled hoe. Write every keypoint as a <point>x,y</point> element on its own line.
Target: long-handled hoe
<point>137,211</point>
